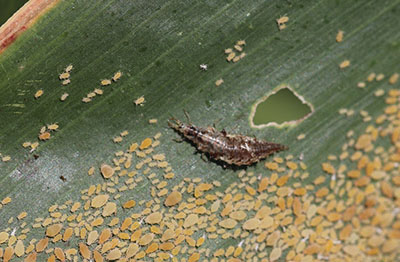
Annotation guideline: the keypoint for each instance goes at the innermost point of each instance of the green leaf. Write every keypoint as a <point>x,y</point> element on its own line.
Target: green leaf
<point>159,47</point>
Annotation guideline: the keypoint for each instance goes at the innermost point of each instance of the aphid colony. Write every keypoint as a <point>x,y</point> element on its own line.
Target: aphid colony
<point>105,82</point>
<point>115,78</point>
<point>378,77</point>
<point>231,52</point>
<point>232,149</point>
<point>64,76</point>
<point>44,134</point>
<point>280,214</point>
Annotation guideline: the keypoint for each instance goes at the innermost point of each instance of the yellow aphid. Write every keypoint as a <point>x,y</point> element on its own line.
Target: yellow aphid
<point>393,78</point>
<point>153,121</point>
<point>230,56</point>
<point>99,201</point>
<point>53,230</point>
<point>5,201</point>
<point>301,136</point>
<point>86,100</point>
<point>117,139</point>
<point>219,82</point>
<point>43,129</point>
<point>26,144</point>
<point>339,36</point>
<point>98,91</point>
<point>91,171</point>
<point>371,77</point>
<point>380,77</point>
<point>6,158</point>
<point>124,133</point>
<point>145,143</point>
<point>38,93</point>
<point>64,75</point>
<point>379,92</point>
<point>45,136</point>
<point>242,55</point>
<point>282,20</point>
<point>91,94</point>
<point>69,68</point>
<point>53,127</point>
<point>344,64</point>
<point>64,96</point>
<point>361,84</point>
<point>140,101</point>
<point>34,145</point>
<point>105,82</point>
<point>117,76</point>
<point>107,171</point>
<point>241,42</point>
<point>66,82</point>
<point>238,48</point>
<point>228,50</point>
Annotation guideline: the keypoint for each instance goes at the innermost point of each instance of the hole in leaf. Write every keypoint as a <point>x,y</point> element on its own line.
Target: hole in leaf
<point>280,108</point>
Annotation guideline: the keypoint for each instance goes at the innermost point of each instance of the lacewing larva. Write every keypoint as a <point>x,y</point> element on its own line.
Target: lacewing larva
<point>233,149</point>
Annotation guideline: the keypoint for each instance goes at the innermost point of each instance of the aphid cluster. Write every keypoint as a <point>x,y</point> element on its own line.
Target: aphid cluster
<point>104,82</point>
<point>92,94</point>
<point>64,76</point>
<point>44,133</point>
<point>115,78</point>
<point>231,52</point>
<point>233,149</point>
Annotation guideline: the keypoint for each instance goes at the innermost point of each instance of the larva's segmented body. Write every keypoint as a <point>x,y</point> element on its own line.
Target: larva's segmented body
<point>233,149</point>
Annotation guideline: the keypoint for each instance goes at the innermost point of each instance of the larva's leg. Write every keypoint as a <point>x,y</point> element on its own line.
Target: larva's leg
<point>187,116</point>
<point>178,140</point>
<point>204,157</point>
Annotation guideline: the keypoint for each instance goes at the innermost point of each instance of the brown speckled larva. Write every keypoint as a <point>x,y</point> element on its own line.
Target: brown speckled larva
<point>233,149</point>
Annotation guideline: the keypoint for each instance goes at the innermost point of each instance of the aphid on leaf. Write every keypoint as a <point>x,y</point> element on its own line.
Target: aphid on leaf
<point>117,76</point>
<point>233,149</point>
<point>204,67</point>
<point>69,68</point>
<point>64,96</point>
<point>53,127</point>
<point>64,75</point>
<point>105,82</point>
<point>38,93</point>
<point>140,101</point>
